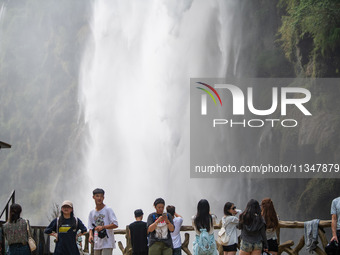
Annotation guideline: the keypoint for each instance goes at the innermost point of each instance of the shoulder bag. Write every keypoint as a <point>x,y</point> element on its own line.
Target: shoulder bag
<point>31,242</point>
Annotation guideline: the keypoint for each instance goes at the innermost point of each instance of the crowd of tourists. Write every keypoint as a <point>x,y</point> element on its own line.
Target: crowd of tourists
<point>160,234</point>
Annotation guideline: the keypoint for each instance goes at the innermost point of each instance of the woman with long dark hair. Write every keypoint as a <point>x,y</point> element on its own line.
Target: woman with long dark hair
<point>64,229</point>
<point>272,223</point>
<point>230,221</point>
<point>253,230</point>
<point>15,231</point>
<point>204,243</point>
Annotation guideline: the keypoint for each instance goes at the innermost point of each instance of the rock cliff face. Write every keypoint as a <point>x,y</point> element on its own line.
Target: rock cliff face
<point>40,51</point>
<point>318,137</point>
<point>316,140</point>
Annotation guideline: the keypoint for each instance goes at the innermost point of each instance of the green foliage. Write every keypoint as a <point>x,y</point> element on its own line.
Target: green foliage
<point>272,63</point>
<point>314,19</point>
<point>317,192</point>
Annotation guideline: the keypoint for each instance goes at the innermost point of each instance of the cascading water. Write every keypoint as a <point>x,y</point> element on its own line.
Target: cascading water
<point>2,12</point>
<point>134,95</point>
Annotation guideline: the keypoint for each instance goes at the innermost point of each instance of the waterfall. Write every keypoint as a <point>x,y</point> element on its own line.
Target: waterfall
<point>2,13</point>
<point>134,97</point>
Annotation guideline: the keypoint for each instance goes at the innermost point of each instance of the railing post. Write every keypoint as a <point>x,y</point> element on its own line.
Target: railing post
<point>6,212</point>
<point>278,232</point>
<point>6,208</point>
<point>86,246</point>
<point>2,240</point>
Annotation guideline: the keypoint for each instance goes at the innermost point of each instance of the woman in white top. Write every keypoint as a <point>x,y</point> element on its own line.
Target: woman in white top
<point>229,223</point>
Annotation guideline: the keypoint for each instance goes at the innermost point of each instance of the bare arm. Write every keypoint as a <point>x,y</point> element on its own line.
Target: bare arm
<point>90,236</point>
<point>334,221</point>
<point>171,226</point>
<point>153,226</point>
<point>54,234</point>
<point>264,238</point>
<point>177,215</point>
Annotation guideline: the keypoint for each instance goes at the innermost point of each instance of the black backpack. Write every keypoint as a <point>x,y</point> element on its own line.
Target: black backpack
<point>332,248</point>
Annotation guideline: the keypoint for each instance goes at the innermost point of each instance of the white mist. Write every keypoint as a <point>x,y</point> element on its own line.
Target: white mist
<point>134,96</point>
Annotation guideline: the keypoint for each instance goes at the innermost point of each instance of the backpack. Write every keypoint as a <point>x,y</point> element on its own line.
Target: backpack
<point>204,243</point>
<point>332,248</point>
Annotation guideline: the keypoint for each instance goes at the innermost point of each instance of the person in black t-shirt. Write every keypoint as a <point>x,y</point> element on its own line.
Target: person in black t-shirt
<point>138,234</point>
<point>160,225</point>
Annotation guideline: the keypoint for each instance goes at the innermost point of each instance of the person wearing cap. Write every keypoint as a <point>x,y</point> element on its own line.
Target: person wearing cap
<point>64,229</point>
<point>138,234</point>
<point>160,225</point>
<point>102,220</point>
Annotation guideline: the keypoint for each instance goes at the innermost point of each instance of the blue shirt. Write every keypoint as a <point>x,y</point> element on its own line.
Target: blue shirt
<point>335,209</point>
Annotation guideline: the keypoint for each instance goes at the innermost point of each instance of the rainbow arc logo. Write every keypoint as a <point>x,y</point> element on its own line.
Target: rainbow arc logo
<point>204,97</point>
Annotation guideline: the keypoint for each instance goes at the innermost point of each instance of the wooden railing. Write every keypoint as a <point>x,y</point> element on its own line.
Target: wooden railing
<point>287,246</point>
<point>10,200</point>
<point>283,247</point>
<point>43,241</point>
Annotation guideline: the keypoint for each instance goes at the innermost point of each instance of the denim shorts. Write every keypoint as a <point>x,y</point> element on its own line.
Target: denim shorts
<point>249,247</point>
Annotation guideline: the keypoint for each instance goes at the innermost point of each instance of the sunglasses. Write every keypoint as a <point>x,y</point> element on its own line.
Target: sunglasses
<point>233,208</point>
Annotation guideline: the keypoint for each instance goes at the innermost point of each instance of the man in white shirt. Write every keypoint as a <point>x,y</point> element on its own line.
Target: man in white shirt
<point>176,235</point>
<point>102,221</point>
